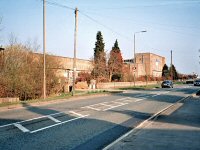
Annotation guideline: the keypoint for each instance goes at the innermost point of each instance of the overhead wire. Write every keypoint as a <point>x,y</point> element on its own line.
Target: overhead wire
<point>59,5</point>
<point>143,22</point>
<point>109,28</point>
<point>89,17</point>
<point>154,5</point>
<point>115,32</point>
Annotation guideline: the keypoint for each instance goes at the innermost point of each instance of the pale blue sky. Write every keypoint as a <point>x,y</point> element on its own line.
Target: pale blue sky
<point>170,24</point>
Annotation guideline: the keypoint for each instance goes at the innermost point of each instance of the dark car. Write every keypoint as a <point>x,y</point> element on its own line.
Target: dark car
<point>167,84</point>
<point>197,82</point>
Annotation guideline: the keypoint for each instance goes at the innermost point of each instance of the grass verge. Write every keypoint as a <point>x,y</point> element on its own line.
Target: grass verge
<point>54,98</point>
<point>142,87</point>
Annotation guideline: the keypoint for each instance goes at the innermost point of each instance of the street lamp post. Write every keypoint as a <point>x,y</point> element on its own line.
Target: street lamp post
<point>134,54</point>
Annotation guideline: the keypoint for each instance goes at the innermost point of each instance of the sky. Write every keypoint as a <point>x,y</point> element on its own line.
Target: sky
<point>170,25</point>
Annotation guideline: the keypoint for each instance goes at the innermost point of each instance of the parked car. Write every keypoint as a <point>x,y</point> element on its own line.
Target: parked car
<point>189,81</point>
<point>167,84</point>
<point>197,82</point>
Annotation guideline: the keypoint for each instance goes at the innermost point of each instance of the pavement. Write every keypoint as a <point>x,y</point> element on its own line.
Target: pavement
<point>176,129</point>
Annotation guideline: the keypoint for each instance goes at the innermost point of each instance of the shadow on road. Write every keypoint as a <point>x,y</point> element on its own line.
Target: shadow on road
<point>91,133</point>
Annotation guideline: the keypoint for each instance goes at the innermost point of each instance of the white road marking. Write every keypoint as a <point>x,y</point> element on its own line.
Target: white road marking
<point>106,105</point>
<point>53,119</point>
<point>139,100</point>
<point>92,108</point>
<point>123,98</point>
<point>127,101</point>
<point>121,103</point>
<point>57,124</point>
<point>140,125</point>
<point>22,128</point>
<point>30,119</point>
<point>78,114</point>
<point>113,107</point>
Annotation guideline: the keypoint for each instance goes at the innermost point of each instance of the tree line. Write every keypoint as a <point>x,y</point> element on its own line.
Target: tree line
<point>21,70</point>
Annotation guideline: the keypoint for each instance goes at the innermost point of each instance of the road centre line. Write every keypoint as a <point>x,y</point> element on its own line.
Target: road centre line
<point>22,128</point>
<point>58,124</point>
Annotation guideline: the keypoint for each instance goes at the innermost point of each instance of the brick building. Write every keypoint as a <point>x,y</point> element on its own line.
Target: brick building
<point>146,64</point>
<point>64,66</point>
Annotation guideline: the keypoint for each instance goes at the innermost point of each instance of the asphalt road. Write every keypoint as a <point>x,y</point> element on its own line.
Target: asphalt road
<point>90,123</point>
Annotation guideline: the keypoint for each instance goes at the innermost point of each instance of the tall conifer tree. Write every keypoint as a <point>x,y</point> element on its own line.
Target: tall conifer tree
<point>115,62</point>
<point>99,71</point>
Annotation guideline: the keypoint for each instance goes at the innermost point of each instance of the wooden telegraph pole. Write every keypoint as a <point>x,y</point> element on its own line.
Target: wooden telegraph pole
<point>75,44</point>
<point>44,49</point>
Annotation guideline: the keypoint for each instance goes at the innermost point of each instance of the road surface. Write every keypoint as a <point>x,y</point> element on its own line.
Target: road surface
<point>90,123</point>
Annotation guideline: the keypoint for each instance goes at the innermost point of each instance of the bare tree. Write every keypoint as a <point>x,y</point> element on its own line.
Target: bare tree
<point>21,75</point>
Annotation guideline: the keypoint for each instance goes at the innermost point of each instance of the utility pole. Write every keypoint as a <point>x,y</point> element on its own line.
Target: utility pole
<point>171,67</point>
<point>75,44</point>
<point>44,48</point>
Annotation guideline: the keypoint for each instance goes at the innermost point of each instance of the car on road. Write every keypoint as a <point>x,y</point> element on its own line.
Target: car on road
<point>197,82</point>
<point>189,81</point>
<point>167,84</point>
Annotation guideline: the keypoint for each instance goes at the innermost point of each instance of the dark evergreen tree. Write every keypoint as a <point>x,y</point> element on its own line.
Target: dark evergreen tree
<point>115,62</point>
<point>174,74</point>
<point>165,71</point>
<point>99,71</point>
<point>99,45</point>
